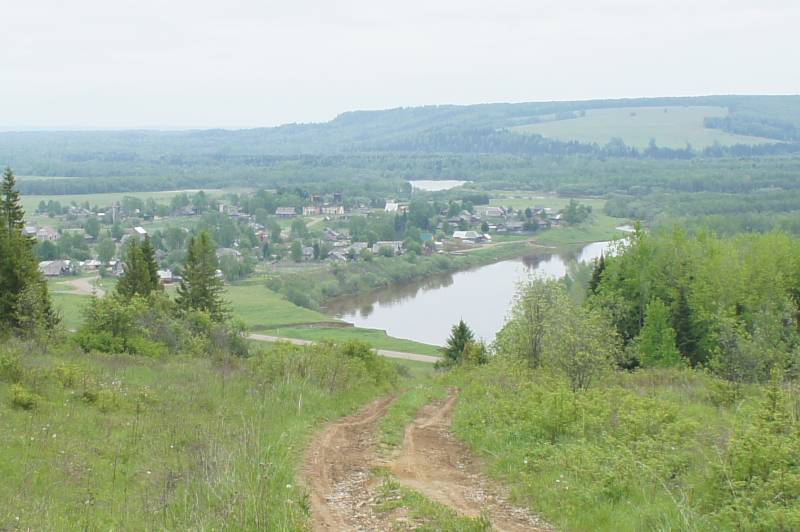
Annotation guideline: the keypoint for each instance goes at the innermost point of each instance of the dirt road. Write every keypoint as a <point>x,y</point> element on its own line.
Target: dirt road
<point>339,475</point>
<point>383,352</point>
<point>337,471</point>
<point>432,462</point>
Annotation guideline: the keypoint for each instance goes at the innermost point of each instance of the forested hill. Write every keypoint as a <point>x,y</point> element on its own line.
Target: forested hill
<point>400,142</point>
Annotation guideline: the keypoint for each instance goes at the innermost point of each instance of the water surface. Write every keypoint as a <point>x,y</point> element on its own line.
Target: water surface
<point>424,311</point>
<point>430,185</point>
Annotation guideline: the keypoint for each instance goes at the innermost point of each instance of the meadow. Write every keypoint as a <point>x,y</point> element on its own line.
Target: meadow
<point>671,127</point>
<point>100,442</point>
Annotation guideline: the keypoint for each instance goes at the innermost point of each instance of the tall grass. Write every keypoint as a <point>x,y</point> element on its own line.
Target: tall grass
<point>651,450</point>
<point>119,442</point>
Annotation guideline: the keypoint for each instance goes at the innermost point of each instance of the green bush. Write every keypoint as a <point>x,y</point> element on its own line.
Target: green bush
<point>10,367</point>
<point>23,398</point>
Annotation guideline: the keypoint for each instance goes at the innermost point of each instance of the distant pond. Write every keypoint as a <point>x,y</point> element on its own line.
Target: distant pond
<point>424,311</point>
<point>429,185</point>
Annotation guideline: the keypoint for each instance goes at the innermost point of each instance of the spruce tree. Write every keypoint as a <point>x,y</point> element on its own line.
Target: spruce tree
<point>201,287</point>
<point>13,214</point>
<point>140,275</point>
<point>685,334</point>
<point>149,257</point>
<point>597,274</point>
<point>461,337</point>
<point>657,338</point>
<point>19,270</point>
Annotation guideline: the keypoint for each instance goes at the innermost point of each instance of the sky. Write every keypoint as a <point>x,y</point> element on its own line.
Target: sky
<point>250,63</point>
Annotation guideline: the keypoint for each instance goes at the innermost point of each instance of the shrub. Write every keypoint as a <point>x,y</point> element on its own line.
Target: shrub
<point>10,367</point>
<point>23,398</point>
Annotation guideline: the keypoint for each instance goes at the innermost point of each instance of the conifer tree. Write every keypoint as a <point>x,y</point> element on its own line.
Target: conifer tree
<point>461,337</point>
<point>140,275</point>
<point>597,274</point>
<point>201,287</point>
<point>13,214</point>
<point>19,271</point>
<point>657,338</point>
<point>149,257</point>
<point>683,323</point>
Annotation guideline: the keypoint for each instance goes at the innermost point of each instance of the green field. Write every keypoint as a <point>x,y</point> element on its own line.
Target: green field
<point>671,127</point>
<point>30,202</point>
<point>600,228</point>
<point>522,200</point>
<point>375,337</point>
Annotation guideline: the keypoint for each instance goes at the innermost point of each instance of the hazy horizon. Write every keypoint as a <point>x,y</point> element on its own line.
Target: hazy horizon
<point>194,65</point>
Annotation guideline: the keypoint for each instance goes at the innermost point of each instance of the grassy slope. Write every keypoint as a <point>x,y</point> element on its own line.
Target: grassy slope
<point>672,129</point>
<point>176,444</point>
<point>636,452</point>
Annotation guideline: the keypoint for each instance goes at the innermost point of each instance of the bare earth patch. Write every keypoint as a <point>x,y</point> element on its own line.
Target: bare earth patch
<point>344,492</point>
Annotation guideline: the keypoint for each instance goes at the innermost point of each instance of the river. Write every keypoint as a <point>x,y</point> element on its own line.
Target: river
<point>426,310</point>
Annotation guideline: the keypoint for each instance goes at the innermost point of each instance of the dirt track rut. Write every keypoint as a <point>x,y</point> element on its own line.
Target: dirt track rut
<point>431,461</point>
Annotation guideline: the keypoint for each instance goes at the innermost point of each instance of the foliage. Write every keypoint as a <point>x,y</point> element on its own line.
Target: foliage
<point>656,341</point>
<point>201,287</point>
<point>140,275</point>
<point>155,327</point>
<point>460,340</point>
<point>731,302</point>
<point>547,329</point>
<point>641,450</point>
<point>24,299</point>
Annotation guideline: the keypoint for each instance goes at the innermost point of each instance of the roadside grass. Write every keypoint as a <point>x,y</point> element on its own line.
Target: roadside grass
<point>260,308</point>
<point>639,451</point>
<point>112,442</point>
<point>424,514</point>
<point>376,337</point>
<point>670,126</point>
<point>405,409</point>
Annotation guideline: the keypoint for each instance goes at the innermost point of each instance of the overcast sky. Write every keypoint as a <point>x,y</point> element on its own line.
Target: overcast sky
<point>229,63</point>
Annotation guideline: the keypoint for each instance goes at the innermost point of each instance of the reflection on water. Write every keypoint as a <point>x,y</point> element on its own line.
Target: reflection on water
<point>425,310</point>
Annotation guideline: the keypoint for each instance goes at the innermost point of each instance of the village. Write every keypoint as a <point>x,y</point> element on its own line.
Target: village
<point>275,229</point>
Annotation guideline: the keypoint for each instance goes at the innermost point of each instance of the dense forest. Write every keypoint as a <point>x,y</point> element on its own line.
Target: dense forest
<point>371,147</point>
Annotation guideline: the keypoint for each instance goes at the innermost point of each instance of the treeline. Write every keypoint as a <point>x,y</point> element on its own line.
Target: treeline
<point>755,126</point>
<point>729,304</point>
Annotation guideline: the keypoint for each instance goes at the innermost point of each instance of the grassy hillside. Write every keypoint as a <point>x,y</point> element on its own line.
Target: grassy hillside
<point>102,442</point>
<point>671,127</point>
<point>653,450</point>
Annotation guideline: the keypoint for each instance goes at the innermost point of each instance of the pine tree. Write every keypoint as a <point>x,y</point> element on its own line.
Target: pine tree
<point>201,287</point>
